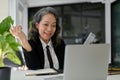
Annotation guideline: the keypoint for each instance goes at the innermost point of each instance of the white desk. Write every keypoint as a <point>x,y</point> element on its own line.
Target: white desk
<point>20,75</point>
<point>113,77</point>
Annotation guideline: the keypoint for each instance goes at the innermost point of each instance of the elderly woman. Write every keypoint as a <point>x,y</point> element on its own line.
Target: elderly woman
<point>44,32</point>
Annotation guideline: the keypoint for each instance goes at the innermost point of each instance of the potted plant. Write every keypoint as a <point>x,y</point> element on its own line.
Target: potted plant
<point>8,46</point>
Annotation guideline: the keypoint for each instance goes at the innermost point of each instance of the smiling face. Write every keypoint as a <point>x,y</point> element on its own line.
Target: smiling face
<point>47,27</point>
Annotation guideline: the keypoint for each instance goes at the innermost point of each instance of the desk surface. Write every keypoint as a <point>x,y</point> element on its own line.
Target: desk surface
<point>20,75</point>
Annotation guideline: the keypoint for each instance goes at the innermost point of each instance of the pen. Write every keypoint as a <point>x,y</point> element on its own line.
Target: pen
<point>58,70</point>
<point>41,74</point>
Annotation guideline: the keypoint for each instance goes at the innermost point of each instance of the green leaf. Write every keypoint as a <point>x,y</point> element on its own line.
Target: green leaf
<point>6,24</point>
<point>15,46</point>
<point>12,42</point>
<point>10,39</point>
<point>14,58</point>
<point>2,38</point>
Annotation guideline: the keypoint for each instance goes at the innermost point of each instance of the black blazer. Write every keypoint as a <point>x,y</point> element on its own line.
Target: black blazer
<point>35,58</point>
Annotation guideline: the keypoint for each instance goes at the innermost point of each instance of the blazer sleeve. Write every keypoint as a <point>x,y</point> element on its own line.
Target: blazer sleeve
<point>35,58</point>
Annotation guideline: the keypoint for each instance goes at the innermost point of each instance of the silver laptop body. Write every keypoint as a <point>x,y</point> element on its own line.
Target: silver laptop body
<point>86,62</point>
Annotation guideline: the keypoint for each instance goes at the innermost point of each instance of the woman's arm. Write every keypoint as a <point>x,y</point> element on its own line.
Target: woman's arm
<point>20,35</point>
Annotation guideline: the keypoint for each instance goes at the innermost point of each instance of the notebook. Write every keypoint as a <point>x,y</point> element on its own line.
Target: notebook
<point>86,62</point>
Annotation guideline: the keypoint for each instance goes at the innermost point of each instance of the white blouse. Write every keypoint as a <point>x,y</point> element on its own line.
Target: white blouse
<point>53,55</point>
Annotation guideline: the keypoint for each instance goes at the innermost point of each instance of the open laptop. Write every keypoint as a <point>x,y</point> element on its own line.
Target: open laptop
<point>86,62</point>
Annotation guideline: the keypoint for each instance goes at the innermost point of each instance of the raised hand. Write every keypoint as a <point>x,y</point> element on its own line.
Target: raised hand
<point>17,32</point>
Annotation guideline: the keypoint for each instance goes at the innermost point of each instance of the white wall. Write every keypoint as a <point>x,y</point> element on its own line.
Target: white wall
<point>34,3</point>
<point>18,11</point>
<point>4,9</point>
